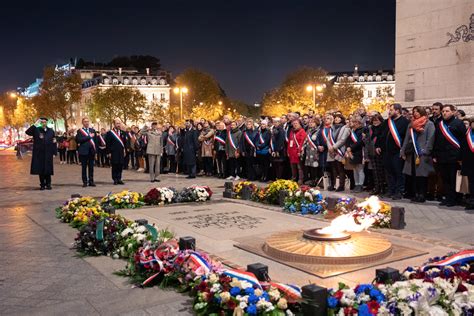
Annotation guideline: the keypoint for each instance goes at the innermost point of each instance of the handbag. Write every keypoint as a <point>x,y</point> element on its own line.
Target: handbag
<point>325,181</point>
<point>462,183</point>
<point>347,183</point>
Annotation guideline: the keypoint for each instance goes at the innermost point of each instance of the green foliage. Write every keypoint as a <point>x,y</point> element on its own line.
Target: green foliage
<point>122,102</point>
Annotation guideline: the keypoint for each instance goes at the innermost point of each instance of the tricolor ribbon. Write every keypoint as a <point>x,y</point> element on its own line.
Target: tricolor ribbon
<point>102,140</point>
<point>449,135</point>
<point>296,141</point>
<point>132,136</point>
<point>371,133</point>
<point>354,137</point>
<point>219,139</point>
<point>272,147</point>
<point>261,138</point>
<point>199,262</point>
<point>171,142</point>
<point>231,140</point>
<point>394,132</point>
<point>325,133</point>
<point>333,142</point>
<point>86,133</point>
<point>461,257</point>
<point>310,141</point>
<point>290,291</point>
<point>415,143</point>
<point>117,137</point>
<point>470,139</point>
<point>243,276</point>
<point>249,141</point>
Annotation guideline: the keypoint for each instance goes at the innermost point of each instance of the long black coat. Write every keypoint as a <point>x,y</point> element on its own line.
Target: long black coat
<point>115,147</point>
<point>85,146</point>
<point>467,168</point>
<point>190,146</point>
<point>443,150</point>
<point>44,148</point>
<point>356,146</point>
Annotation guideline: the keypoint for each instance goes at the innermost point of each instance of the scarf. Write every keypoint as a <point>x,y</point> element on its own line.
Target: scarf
<point>419,123</point>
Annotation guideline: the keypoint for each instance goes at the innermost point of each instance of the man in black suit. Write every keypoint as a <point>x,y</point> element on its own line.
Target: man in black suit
<point>115,140</point>
<point>190,149</point>
<point>86,140</point>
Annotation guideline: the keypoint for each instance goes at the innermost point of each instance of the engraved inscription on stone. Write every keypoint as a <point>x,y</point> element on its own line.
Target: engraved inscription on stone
<point>222,220</point>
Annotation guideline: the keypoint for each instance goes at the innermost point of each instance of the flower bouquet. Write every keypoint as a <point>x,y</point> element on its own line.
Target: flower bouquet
<point>160,196</point>
<point>306,200</point>
<point>135,235</point>
<point>101,236</point>
<point>194,194</point>
<point>66,213</point>
<point>244,184</point>
<point>273,190</point>
<point>124,199</point>
<point>373,208</point>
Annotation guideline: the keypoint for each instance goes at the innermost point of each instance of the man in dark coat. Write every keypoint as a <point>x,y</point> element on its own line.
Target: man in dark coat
<point>447,150</point>
<point>44,148</point>
<point>190,149</point>
<point>115,140</point>
<point>86,140</point>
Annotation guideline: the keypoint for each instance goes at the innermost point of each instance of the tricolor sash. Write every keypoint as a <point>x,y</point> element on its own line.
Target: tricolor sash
<point>286,134</point>
<point>171,142</point>
<point>272,147</point>
<point>354,137</point>
<point>333,142</point>
<point>243,276</point>
<point>296,141</point>
<point>261,138</point>
<point>394,132</point>
<point>249,141</point>
<point>102,140</point>
<point>132,136</point>
<point>83,132</point>
<point>448,135</point>
<point>231,141</point>
<point>145,139</point>
<point>371,133</point>
<point>117,136</point>
<point>310,141</point>
<point>219,139</point>
<point>414,138</point>
<point>291,291</point>
<point>470,139</point>
<point>461,257</point>
<point>200,262</point>
<point>325,133</point>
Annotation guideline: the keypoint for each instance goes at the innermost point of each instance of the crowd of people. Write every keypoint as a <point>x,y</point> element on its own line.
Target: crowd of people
<point>424,153</point>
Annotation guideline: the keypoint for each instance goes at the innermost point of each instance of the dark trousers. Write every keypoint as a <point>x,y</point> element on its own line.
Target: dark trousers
<point>102,158</point>
<point>221,163</point>
<point>278,168</point>
<point>147,164</point>
<point>337,171</point>
<point>249,166</point>
<point>378,173</point>
<point>45,180</point>
<point>117,171</point>
<point>435,183</point>
<point>164,168</point>
<point>471,190</point>
<point>395,178</point>
<point>191,170</point>
<point>207,162</point>
<point>419,186</point>
<point>264,162</point>
<point>172,163</point>
<point>448,174</point>
<point>62,154</point>
<point>72,156</point>
<point>87,163</point>
<point>233,167</point>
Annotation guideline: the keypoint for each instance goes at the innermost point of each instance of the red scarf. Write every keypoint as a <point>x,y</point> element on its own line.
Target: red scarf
<point>419,123</point>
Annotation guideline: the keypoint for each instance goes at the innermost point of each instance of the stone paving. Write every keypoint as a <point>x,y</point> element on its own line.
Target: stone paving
<point>40,274</point>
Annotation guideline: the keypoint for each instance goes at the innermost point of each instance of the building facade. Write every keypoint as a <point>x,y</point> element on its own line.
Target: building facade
<point>434,54</point>
<point>375,84</point>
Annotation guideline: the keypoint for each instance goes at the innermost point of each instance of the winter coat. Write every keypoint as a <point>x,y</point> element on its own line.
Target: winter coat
<point>246,146</point>
<point>85,146</point>
<point>236,136</point>
<point>356,146</point>
<point>444,151</point>
<point>262,141</point>
<point>425,141</point>
<point>44,148</point>
<point>467,168</point>
<point>155,141</point>
<point>222,135</point>
<point>279,142</point>
<point>116,147</point>
<point>295,145</point>
<point>206,138</point>
<point>340,134</point>
<point>321,141</point>
<point>190,146</point>
<point>312,153</point>
<point>171,143</point>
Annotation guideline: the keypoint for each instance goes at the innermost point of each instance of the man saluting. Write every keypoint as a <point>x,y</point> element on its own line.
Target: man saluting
<point>85,137</point>
<point>115,140</point>
<point>44,148</point>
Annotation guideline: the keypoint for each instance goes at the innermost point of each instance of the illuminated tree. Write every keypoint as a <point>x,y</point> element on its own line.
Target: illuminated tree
<point>380,102</point>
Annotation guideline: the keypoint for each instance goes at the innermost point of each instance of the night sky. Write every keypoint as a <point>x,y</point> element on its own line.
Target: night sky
<point>249,46</point>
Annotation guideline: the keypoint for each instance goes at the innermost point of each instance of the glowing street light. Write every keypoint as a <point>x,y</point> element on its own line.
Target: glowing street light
<point>315,88</point>
<point>13,95</point>
<point>220,102</point>
<point>180,90</point>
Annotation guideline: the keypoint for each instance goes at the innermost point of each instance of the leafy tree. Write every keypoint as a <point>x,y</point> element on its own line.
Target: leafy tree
<point>23,113</point>
<point>59,92</point>
<point>380,102</point>
<point>126,103</point>
<point>203,97</point>
<point>159,112</point>
<point>344,97</point>
<point>8,105</point>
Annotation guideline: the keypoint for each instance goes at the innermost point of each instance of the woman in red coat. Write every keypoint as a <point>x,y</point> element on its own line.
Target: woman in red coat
<point>295,151</point>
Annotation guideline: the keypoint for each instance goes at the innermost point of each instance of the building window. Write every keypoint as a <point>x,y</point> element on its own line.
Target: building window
<point>369,94</point>
<point>162,96</point>
<point>378,92</point>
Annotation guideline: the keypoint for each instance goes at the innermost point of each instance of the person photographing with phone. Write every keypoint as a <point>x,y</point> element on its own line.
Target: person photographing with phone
<point>44,148</point>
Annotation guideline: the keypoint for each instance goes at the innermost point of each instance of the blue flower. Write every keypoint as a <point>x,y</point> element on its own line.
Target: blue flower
<point>217,298</point>
<point>253,299</point>
<point>364,287</point>
<point>292,208</point>
<point>364,310</point>
<point>249,291</point>
<point>304,210</point>
<point>332,302</point>
<point>318,197</point>
<point>318,209</point>
<point>252,310</point>
<point>266,296</point>
<point>235,291</point>
<point>374,293</point>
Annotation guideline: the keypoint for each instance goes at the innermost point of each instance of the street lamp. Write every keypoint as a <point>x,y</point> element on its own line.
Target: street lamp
<point>13,95</point>
<point>315,88</point>
<point>220,102</point>
<point>180,90</point>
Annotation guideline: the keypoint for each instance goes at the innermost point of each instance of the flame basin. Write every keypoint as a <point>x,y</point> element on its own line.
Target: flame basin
<point>356,248</point>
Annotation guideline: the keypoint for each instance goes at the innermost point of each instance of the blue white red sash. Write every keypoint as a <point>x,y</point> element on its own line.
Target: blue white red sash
<point>296,141</point>
<point>118,138</point>
<point>102,140</point>
<point>272,147</point>
<point>286,134</point>
<point>371,132</point>
<point>243,276</point>
<point>231,141</point>
<point>261,138</point>
<point>145,139</point>
<point>219,139</point>
<point>394,132</point>
<point>470,139</point>
<point>291,291</point>
<point>83,132</point>
<point>354,137</point>
<point>310,141</point>
<point>325,133</point>
<point>449,135</point>
<point>200,262</point>
<point>415,142</point>
<point>333,142</point>
<point>132,136</point>
<point>461,257</point>
<point>249,141</point>
<point>170,141</point>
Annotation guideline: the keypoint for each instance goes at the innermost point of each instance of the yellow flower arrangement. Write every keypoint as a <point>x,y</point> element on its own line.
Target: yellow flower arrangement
<point>124,199</point>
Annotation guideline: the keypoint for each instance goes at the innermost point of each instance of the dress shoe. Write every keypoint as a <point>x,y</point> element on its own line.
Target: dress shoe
<point>48,187</point>
<point>120,182</point>
<point>152,181</point>
<point>115,182</point>
<point>443,203</point>
<point>157,180</point>
<point>84,185</point>
<point>92,184</point>
<point>42,188</point>
<point>469,207</point>
<point>331,189</point>
<point>340,189</point>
